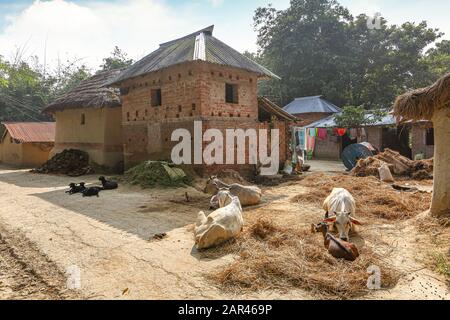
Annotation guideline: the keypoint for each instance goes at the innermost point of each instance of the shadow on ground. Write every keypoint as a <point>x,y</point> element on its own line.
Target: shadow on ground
<point>135,212</point>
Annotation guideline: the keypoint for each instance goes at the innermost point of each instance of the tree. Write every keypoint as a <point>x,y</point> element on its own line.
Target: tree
<point>356,117</point>
<point>118,59</point>
<point>319,48</point>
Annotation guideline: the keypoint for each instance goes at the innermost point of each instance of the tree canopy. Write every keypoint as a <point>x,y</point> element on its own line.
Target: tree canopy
<point>26,86</point>
<point>319,48</point>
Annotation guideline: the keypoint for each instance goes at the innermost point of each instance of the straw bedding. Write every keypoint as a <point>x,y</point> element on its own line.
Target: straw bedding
<point>272,256</point>
<point>374,199</point>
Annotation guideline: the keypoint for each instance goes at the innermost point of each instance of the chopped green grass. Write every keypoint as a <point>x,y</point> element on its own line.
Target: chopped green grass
<point>151,174</point>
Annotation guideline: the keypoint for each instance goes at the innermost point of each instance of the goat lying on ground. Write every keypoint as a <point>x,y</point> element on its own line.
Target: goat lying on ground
<point>76,188</point>
<point>339,249</point>
<point>248,195</point>
<point>221,225</point>
<point>92,192</point>
<point>341,204</point>
<point>107,184</point>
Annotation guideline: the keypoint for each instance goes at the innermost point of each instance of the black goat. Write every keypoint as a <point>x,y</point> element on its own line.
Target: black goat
<point>108,185</point>
<point>92,192</point>
<point>76,188</point>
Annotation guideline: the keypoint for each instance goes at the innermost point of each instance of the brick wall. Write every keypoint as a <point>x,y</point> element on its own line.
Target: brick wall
<point>191,92</point>
<point>375,136</point>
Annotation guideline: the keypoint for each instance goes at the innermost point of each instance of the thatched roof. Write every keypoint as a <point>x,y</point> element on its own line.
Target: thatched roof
<point>90,93</point>
<point>197,46</point>
<point>420,104</point>
<point>267,108</point>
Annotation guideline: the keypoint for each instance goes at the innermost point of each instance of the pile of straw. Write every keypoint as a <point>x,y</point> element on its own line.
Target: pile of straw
<point>374,199</point>
<point>276,257</point>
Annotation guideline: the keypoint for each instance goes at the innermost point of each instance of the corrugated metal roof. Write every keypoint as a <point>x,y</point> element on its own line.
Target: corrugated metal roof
<point>329,122</point>
<point>31,131</point>
<point>187,49</point>
<point>313,104</point>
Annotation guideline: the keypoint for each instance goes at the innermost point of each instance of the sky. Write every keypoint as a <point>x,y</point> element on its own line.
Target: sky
<point>89,30</point>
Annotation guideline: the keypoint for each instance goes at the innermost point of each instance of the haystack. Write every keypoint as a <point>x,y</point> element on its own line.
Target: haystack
<point>433,103</point>
<point>152,174</point>
<point>398,164</point>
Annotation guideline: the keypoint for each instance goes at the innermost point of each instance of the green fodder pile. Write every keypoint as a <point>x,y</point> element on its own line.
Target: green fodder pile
<point>151,174</point>
<point>373,197</point>
<point>276,257</point>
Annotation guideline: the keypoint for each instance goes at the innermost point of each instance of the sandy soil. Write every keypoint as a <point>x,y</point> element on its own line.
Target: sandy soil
<point>110,239</point>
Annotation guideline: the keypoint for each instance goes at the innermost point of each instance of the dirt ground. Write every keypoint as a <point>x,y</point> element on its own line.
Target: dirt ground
<point>110,239</point>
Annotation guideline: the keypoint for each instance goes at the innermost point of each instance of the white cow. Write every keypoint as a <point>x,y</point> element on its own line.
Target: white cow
<point>248,195</point>
<point>221,225</point>
<point>341,205</point>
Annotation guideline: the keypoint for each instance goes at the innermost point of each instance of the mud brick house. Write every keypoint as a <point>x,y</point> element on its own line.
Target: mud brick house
<point>27,143</point>
<point>311,109</point>
<point>194,78</point>
<point>422,138</point>
<point>89,118</point>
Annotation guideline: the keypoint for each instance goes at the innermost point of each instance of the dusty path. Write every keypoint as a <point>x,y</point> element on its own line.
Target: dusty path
<point>26,273</point>
<point>110,239</point>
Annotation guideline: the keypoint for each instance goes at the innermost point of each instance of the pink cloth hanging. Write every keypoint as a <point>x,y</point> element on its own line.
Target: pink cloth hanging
<point>311,141</point>
<point>322,133</point>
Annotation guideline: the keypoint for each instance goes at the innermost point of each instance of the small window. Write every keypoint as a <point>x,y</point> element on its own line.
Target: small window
<point>156,98</point>
<point>83,119</point>
<point>430,137</point>
<point>231,93</point>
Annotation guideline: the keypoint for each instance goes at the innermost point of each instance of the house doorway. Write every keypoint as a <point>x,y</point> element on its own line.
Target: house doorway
<point>397,139</point>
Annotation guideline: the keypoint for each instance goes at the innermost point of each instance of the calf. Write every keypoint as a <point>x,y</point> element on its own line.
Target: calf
<point>341,204</point>
<point>76,189</point>
<point>220,226</point>
<point>337,248</point>
<point>248,195</point>
<point>107,184</point>
<point>92,192</point>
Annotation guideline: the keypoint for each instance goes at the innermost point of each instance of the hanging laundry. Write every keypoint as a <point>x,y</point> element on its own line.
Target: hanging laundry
<point>312,132</point>
<point>311,142</point>
<point>322,134</point>
<point>302,139</point>
<point>341,132</point>
<point>353,133</point>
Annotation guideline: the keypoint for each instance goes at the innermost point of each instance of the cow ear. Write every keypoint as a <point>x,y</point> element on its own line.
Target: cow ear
<point>330,220</point>
<point>355,221</point>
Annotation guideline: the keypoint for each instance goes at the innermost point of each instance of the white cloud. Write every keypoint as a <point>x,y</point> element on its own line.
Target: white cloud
<point>216,3</point>
<point>90,31</point>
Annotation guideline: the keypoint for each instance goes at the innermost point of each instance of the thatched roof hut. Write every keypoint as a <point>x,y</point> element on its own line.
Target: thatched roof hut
<point>433,103</point>
<point>421,104</point>
<point>90,93</point>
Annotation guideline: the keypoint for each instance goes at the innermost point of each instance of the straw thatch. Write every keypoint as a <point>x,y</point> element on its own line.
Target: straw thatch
<point>420,104</point>
<point>90,93</point>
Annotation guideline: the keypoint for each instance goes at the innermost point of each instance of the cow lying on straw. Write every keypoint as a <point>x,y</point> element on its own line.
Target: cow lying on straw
<point>248,195</point>
<point>222,224</point>
<point>341,205</point>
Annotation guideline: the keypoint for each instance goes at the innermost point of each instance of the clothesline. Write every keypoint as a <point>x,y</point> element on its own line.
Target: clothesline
<point>322,133</point>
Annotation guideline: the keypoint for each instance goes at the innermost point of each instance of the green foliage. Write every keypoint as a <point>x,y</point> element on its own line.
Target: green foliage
<point>118,59</point>
<point>356,117</point>
<point>318,48</point>
<point>27,87</point>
